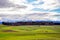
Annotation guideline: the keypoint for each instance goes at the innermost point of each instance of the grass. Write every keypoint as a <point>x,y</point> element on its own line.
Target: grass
<point>30,32</point>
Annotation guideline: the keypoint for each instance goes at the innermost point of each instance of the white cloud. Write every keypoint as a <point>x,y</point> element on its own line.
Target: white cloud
<point>15,9</point>
<point>36,16</point>
<point>20,2</point>
<point>47,5</point>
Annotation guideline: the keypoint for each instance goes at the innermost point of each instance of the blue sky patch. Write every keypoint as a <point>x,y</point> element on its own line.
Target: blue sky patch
<point>39,9</point>
<point>56,10</point>
<point>29,1</point>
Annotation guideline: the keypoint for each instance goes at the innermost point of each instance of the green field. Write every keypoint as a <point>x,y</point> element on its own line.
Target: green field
<point>30,32</point>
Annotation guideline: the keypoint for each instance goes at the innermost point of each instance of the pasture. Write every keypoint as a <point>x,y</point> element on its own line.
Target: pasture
<point>30,32</point>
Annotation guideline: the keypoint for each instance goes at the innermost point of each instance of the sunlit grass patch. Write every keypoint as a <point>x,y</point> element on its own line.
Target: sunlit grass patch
<point>30,32</point>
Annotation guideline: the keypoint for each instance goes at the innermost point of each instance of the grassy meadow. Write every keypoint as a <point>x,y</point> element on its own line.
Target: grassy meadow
<point>30,32</point>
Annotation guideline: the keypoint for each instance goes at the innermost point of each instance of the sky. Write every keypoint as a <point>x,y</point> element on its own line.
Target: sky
<point>22,7</point>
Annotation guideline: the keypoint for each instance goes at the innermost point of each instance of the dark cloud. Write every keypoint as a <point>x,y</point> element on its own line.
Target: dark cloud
<point>20,6</point>
<point>8,4</point>
<point>5,4</point>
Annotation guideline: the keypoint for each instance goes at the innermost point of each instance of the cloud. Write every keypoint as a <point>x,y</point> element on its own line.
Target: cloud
<point>18,6</point>
<point>49,16</point>
<point>22,7</point>
<point>5,4</point>
<point>43,16</point>
<point>56,10</point>
<point>47,4</point>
